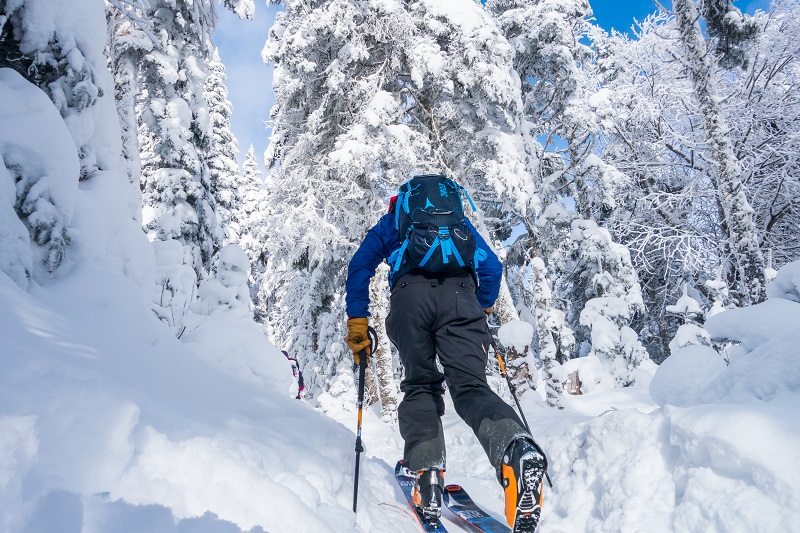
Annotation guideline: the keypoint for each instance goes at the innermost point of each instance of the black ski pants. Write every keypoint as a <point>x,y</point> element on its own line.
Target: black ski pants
<point>430,316</point>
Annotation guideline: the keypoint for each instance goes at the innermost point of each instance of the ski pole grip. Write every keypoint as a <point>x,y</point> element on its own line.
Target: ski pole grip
<point>372,335</point>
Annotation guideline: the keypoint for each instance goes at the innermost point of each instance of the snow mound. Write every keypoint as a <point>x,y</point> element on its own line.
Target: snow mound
<point>684,374</point>
<point>786,284</point>
<point>720,455</point>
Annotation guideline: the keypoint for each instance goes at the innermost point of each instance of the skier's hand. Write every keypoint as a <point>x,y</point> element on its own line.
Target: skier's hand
<point>357,339</point>
<point>489,311</point>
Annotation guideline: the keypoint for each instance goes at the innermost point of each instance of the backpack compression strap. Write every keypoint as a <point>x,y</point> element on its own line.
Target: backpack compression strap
<point>446,243</point>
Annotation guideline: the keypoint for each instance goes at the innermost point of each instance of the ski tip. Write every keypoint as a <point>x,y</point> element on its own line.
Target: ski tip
<point>452,488</point>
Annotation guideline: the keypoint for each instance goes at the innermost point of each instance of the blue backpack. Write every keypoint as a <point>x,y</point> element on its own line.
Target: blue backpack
<point>433,232</point>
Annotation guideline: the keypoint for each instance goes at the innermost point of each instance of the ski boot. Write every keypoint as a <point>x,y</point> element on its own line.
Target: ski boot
<point>427,494</point>
<point>522,470</point>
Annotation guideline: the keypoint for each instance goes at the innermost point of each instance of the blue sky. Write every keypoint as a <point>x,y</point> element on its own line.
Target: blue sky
<point>250,80</point>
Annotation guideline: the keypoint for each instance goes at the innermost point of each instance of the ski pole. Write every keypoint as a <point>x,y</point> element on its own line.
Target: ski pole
<point>362,370</point>
<point>513,390</point>
<point>511,386</point>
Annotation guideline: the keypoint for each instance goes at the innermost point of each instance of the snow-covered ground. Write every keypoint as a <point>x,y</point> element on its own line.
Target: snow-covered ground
<point>109,423</point>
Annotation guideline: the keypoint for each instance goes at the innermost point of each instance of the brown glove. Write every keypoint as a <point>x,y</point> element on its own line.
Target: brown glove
<point>489,310</point>
<point>357,338</point>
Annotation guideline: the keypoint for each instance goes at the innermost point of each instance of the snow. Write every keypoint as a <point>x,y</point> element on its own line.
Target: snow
<point>516,334</point>
<point>114,419</point>
<point>34,139</point>
<point>108,422</point>
<point>786,284</point>
<point>684,374</point>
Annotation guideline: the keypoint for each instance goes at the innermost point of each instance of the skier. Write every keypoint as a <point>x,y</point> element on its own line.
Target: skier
<point>443,313</point>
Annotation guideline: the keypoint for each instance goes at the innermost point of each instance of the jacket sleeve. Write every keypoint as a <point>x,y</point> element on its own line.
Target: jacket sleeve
<point>376,246</point>
<point>490,272</point>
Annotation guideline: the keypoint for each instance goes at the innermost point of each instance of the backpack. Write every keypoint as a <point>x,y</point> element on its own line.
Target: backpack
<point>432,229</point>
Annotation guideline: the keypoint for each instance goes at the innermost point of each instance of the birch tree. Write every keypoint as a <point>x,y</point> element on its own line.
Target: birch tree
<point>747,259</point>
<point>551,59</point>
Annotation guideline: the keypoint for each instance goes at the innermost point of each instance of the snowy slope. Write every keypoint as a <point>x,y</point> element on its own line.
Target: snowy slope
<point>108,423</point>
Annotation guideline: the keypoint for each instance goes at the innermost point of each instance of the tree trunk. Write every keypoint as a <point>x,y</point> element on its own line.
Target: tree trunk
<point>387,390</point>
<point>547,346</point>
<point>737,211</point>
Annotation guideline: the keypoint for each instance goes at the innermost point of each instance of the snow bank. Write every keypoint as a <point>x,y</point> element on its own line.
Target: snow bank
<point>107,420</point>
<point>786,284</point>
<point>40,158</point>
<point>720,455</point>
<point>684,374</point>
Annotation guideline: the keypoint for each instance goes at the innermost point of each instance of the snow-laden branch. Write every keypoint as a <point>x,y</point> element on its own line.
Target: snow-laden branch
<point>132,10</point>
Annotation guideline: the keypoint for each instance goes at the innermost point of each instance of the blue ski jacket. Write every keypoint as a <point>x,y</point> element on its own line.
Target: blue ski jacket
<point>381,240</point>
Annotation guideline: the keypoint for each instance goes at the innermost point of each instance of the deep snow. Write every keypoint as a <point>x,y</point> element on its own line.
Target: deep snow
<point>109,423</point>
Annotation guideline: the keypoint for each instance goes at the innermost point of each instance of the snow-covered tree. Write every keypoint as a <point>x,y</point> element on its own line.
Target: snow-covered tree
<point>227,291</point>
<point>730,30</point>
<point>551,58</point>
<point>366,94</point>
<point>669,210</point>
<point>57,47</point>
<point>173,132</point>
<point>549,324</point>
<point>40,170</point>
<point>762,108</point>
<point>382,354</point>
<point>748,261</point>
<point>60,62</point>
<point>222,151</point>
<point>253,229</point>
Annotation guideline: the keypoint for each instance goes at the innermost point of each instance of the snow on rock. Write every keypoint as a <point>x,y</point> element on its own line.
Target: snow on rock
<point>589,368</point>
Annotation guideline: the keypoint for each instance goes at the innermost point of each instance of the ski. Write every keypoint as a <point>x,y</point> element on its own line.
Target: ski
<point>405,478</point>
<point>457,500</point>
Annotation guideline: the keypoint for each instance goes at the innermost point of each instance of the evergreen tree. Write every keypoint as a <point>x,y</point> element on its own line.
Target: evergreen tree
<point>223,149</point>
<point>549,322</point>
<point>69,71</point>
<point>730,30</point>
<point>253,229</point>
<point>129,37</point>
<point>378,92</point>
<point>174,139</point>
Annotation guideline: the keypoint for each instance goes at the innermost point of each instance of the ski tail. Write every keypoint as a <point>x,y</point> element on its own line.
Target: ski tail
<point>406,479</point>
